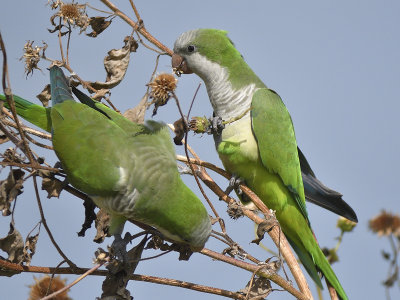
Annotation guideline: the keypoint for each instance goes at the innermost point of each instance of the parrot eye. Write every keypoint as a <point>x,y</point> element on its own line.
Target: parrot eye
<point>190,48</point>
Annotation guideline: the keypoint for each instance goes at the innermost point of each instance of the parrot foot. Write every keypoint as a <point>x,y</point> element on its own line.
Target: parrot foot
<point>216,125</point>
<point>234,183</point>
<point>119,246</point>
<point>119,272</point>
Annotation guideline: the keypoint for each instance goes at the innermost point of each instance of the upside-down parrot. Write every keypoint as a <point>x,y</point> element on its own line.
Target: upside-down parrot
<point>128,169</point>
<point>258,142</point>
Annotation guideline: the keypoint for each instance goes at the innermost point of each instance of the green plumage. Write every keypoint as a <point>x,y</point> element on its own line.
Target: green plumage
<point>260,146</point>
<point>128,169</point>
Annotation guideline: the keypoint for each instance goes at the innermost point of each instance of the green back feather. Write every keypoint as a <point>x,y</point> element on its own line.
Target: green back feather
<point>274,132</point>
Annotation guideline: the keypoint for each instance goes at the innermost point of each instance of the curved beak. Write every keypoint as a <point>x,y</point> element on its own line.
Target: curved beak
<point>179,65</point>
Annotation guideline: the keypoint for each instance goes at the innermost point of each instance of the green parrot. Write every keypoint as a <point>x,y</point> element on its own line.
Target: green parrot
<point>128,169</point>
<point>259,144</point>
<point>316,192</point>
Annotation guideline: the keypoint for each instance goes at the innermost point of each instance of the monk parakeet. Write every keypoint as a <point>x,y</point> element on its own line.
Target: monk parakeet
<point>128,169</point>
<point>259,144</point>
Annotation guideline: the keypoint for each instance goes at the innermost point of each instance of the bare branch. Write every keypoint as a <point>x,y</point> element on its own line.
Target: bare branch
<point>16,268</point>
<point>137,27</point>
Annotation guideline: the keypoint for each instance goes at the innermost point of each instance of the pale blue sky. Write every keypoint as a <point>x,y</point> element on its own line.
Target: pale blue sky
<point>335,65</point>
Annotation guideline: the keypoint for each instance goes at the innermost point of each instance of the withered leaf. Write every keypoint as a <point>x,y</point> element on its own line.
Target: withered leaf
<point>180,128</point>
<point>3,138</point>
<point>391,280</point>
<point>90,216</point>
<point>235,210</point>
<point>116,63</point>
<point>100,94</point>
<point>57,28</point>
<point>260,288</point>
<point>45,95</point>
<point>102,224</point>
<point>264,227</point>
<point>10,188</point>
<point>13,245</point>
<point>11,155</point>
<point>98,24</point>
<point>114,285</point>
<point>50,184</point>
<point>136,114</point>
<point>30,248</point>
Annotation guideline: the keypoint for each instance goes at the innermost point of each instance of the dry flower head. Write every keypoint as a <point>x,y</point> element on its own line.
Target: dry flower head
<point>71,13</point>
<point>161,88</point>
<point>385,224</point>
<point>199,124</point>
<point>32,55</point>
<point>41,288</point>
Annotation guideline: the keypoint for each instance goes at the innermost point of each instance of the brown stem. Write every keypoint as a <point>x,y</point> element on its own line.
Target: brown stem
<point>26,166</point>
<point>9,97</point>
<point>27,129</point>
<point>37,143</point>
<point>70,263</point>
<point>136,11</point>
<point>67,287</point>
<point>205,164</point>
<point>271,275</point>
<point>275,233</point>
<point>7,266</point>
<point>60,42</point>
<point>331,290</point>
<point>220,221</point>
<point>137,27</point>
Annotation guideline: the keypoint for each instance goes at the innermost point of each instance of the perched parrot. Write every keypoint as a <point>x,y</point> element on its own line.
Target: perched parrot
<point>128,169</point>
<point>259,143</point>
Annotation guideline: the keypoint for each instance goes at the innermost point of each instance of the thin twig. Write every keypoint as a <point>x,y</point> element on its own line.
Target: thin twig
<point>27,166</point>
<point>8,266</point>
<point>99,10</point>
<point>9,97</point>
<point>281,242</point>
<point>220,221</point>
<point>204,164</point>
<point>263,272</point>
<point>67,287</point>
<point>60,42</point>
<point>136,11</point>
<point>274,233</point>
<point>331,290</point>
<point>70,263</point>
<point>137,27</point>
<point>38,144</point>
<point>52,277</point>
<point>68,42</point>
<point>25,128</point>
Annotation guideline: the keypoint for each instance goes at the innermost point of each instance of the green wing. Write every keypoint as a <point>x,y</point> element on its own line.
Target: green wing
<point>273,129</point>
<point>85,141</point>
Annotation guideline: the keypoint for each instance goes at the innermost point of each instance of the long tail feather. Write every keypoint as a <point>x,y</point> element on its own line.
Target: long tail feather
<point>33,113</point>
<point>318,193</point>
<point>60,90</point>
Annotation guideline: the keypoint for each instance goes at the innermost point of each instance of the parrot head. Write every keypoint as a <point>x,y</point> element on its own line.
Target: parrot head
<point>196,50</point>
